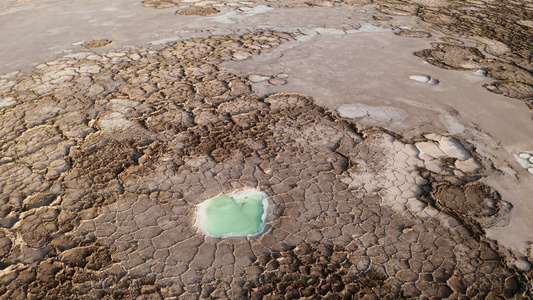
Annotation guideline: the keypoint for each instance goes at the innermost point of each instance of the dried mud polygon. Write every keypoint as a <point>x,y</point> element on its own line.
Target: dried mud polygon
<point>156,132</point>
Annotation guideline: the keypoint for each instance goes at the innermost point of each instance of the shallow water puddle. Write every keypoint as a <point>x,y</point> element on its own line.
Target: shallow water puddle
<point>238,214</point>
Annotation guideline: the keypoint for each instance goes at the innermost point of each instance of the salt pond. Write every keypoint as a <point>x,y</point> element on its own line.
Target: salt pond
<point>238,214</point>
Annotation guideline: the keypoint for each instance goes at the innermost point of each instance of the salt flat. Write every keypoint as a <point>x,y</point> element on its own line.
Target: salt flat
<point>391,137</point>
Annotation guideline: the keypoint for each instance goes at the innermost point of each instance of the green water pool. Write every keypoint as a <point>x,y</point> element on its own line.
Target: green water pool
<point>238,214</point>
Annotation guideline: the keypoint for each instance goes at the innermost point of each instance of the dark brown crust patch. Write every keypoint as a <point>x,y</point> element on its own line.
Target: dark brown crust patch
<point>198,11</point>
<point>97,44</point>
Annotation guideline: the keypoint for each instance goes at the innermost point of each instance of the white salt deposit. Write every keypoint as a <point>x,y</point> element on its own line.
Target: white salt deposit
<point>524,155</point>
<point>379,113</point>
<point>431,149</point>
<point>420,78</point>
<point>452,148</point>
<point>433,81</point>
<point>424,79</point>
<point>481,73</point>
<point>242,55</point>
<point>525,160</point>
<point>258,78</point>
<point>522,265</point>
<point>79,55</point>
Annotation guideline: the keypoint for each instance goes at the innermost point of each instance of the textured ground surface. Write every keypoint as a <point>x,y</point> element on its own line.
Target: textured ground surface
<point>106,153</point>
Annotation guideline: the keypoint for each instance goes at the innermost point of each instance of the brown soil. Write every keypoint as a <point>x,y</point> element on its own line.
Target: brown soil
<point>97,44</point>
<point>160,3</point>
<point>198,11</point>
<point>414,34</point>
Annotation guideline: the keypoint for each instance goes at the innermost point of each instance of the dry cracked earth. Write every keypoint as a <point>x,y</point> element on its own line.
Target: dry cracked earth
<point>105,156</point>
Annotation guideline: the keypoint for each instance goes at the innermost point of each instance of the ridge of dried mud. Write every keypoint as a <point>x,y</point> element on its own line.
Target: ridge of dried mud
<point>104,159</point>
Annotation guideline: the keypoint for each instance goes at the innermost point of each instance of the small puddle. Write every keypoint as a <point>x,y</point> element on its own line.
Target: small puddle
<point>238,214</point>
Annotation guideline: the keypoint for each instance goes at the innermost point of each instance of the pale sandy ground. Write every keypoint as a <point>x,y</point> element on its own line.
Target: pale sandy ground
<point>340,56</point>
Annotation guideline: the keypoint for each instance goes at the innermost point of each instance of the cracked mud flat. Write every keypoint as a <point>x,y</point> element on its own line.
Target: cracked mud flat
<point>105,155</point>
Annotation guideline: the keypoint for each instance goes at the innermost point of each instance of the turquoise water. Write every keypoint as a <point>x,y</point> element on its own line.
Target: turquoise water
<point>238,214</point>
